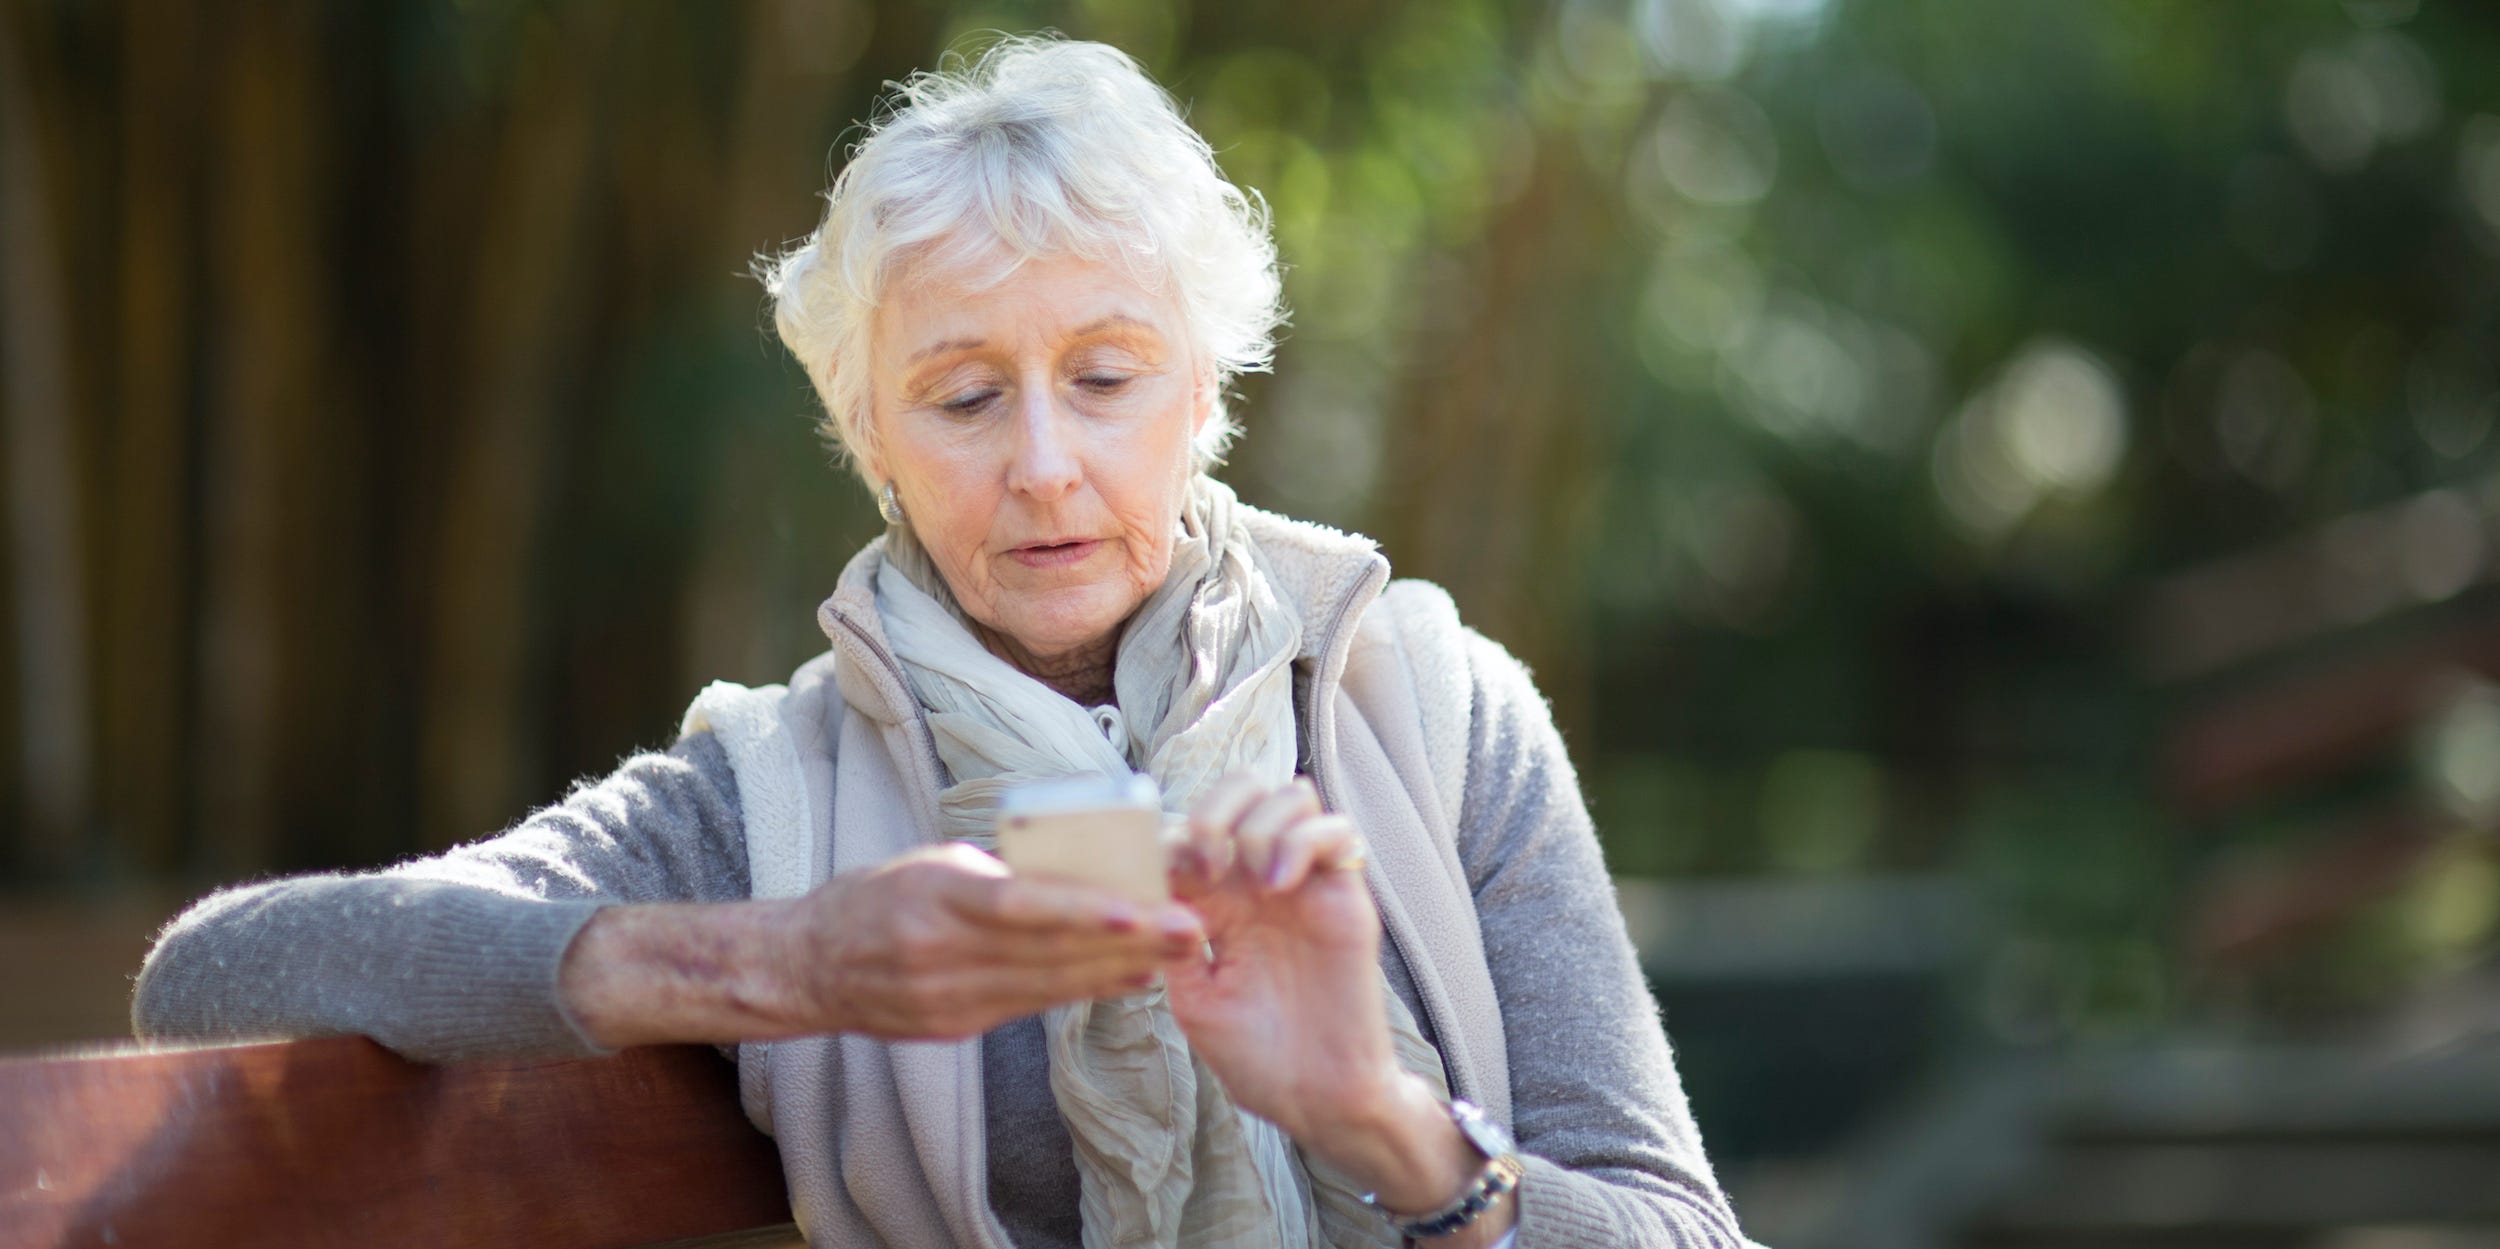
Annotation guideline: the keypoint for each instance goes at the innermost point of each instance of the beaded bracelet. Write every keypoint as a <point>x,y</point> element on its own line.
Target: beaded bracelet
<point>1498,1178</point>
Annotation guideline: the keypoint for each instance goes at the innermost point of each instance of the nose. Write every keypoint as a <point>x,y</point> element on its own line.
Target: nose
<point>1046,464</point>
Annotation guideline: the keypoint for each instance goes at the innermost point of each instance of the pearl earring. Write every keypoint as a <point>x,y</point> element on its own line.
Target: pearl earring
<point>889,506</point>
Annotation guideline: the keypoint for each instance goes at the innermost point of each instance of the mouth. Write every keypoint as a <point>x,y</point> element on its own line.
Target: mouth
<point>1054,553</point>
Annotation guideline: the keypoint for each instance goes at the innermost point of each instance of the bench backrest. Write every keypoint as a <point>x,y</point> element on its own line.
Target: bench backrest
<point>336,1142</point>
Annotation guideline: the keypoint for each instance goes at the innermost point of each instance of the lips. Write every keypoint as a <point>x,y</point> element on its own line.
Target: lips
<point>1054,554</point>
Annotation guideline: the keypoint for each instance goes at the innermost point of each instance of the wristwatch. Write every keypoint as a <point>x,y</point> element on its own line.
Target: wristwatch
<point>1501,1174</point>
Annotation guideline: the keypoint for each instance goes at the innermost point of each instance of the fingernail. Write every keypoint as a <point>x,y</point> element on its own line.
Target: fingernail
<point>1178,926</point>
<point>1276,873</point>
<point>1145,981</point>
<point>1121,921</point>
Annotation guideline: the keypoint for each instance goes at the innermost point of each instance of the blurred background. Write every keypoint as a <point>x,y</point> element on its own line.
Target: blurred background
<point>2001,496</point>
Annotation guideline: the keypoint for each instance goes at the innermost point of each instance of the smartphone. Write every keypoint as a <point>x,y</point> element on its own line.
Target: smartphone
<point>1105,831</point>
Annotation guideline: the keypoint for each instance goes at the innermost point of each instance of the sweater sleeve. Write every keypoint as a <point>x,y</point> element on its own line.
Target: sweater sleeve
<point>455,956</point>
<point>1613,1156</point>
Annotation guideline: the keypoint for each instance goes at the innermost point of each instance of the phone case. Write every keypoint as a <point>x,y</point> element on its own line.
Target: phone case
<point>1101,831</point>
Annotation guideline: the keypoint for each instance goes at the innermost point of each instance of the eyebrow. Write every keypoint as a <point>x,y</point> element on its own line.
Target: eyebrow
<point>1117,320</point>
<point>941,348</point>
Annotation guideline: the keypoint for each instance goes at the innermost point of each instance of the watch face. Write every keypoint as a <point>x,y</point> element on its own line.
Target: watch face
<point>1488,1137</point>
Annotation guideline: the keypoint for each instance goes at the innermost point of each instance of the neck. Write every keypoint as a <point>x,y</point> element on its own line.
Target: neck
<point>1081,675</point>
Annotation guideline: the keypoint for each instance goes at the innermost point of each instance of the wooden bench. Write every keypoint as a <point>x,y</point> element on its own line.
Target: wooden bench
<point>340,1142</point>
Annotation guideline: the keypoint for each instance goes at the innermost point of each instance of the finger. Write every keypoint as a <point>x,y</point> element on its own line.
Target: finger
<point>1180,929</point>
<point>1094,978</point>
<point>956,876</point>
<point>1029,950</point>
<point>955,858</point>
<point>1164,932</point>
<point>975,1000</point>
<point>1209,853</point>
<point>1212,817</point>
<point>1034,904</point>
<point>1256,833</point>
<point>1012,995</point>
<point>1202,859</point>
<point>1321,842</point>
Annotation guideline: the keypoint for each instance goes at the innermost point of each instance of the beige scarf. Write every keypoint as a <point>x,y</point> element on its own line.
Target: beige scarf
<point>1204,683</point>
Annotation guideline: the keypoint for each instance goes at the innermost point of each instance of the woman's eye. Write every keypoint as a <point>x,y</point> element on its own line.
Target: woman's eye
<point>1103,383</point>
<point>970,403</point>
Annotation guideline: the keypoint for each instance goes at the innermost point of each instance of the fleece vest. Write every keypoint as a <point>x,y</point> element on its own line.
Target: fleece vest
<point>882,1142</point>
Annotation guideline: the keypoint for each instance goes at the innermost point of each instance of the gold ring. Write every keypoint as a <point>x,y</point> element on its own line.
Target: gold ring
<point>1351,859</point>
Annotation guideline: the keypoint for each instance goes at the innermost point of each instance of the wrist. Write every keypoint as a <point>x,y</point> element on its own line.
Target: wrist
<point>1484,1210</point>
<point>672,972</point>
<point>768,977</point>
<point>596,985</point>
<point>1404,1148</point>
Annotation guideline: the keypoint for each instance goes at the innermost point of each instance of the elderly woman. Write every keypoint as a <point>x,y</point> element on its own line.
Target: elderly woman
<point>1029,291</point>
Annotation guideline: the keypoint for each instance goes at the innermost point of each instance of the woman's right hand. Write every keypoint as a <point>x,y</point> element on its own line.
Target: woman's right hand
<point>936,944</point>
<point>944,943</point>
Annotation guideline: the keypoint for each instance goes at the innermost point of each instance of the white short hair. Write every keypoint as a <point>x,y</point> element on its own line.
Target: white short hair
<point>1038,147</point>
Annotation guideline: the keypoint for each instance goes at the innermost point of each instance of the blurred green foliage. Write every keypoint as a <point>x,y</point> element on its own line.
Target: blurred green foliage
<point>1815,391</point>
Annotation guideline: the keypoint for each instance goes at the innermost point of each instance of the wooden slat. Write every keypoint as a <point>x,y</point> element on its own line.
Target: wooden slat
<point>337,1142</point>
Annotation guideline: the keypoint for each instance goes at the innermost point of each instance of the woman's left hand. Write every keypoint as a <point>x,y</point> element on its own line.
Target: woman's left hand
<point>1289,1012</point>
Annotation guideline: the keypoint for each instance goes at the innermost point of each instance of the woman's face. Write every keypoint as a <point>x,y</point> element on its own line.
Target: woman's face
<point>1037,431</point>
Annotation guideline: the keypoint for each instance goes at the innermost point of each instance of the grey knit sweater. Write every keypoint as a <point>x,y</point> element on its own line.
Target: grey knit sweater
<point>455,957</point>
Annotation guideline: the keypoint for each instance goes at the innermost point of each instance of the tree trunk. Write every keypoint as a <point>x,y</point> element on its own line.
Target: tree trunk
<point>149,548</point>
<point>1488,481</point>
<point>526,343</point>
<point>262,604</point>
<point>43,511</point>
